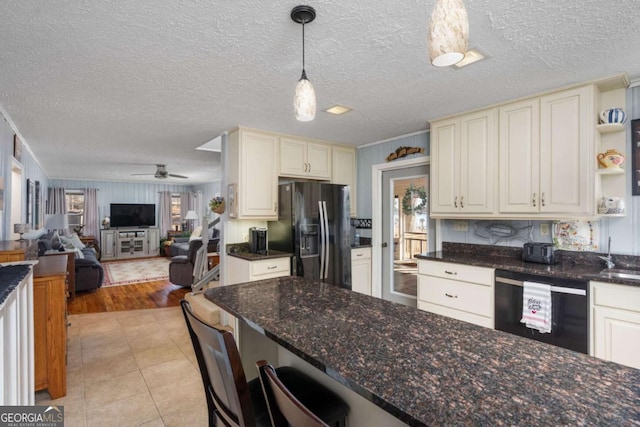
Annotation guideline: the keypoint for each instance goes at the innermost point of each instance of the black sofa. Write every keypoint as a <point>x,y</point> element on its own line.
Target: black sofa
<point>89,272</point>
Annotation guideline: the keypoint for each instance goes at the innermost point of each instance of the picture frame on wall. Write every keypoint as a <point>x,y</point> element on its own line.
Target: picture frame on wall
<point>635,157</point>
<point>17,148</point>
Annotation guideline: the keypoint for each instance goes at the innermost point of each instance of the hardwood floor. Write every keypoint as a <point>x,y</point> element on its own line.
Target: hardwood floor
<point>155,294</point>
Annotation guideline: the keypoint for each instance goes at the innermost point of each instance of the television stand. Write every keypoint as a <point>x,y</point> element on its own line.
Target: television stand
<point>124,243</point>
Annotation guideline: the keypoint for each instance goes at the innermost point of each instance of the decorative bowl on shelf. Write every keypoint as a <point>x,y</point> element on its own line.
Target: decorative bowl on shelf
<point>613,115</point>
<point>217,205</point>
<point>610,159</point>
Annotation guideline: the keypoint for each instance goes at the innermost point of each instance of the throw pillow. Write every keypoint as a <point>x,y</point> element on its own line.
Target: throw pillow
<point>73,241</point>
<point>196,234</point>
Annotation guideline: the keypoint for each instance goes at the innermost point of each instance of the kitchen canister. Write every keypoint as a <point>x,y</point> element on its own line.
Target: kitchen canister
<point>613,115</point>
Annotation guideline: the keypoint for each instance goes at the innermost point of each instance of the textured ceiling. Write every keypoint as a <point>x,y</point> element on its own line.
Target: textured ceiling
<point>103,89</point>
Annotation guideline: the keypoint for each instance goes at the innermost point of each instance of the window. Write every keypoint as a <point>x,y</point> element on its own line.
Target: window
<point>75,208</point>
<point>176,217</point>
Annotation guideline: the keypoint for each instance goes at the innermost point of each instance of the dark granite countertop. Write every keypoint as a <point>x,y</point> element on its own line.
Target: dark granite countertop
<point>427,369</point>
<point>249,256</point>
<point>571,265</point>
<point>10,278</point>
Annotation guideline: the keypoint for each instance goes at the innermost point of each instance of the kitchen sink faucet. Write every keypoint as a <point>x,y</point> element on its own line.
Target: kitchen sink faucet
<point>608,259</point>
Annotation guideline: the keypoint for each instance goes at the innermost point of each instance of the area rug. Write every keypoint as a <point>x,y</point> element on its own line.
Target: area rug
<point>120,273</point>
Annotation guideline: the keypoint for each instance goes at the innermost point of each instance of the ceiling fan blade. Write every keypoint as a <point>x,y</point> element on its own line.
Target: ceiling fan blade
<point>178,176</point>
<point>142,174</point>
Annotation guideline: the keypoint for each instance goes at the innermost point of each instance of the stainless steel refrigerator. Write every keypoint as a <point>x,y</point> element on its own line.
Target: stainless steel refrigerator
<point>313,224</point>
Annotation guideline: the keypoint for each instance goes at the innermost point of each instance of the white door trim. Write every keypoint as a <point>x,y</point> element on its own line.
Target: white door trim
<point>376,217</point>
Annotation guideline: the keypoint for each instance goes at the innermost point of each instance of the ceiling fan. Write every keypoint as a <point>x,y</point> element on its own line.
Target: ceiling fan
<point>162,173</point>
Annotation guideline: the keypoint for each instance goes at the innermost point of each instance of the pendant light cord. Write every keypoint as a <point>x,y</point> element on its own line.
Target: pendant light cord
<point>303,48</point>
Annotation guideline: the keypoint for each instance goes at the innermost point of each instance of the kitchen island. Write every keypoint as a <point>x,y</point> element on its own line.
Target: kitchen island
<point>427,369</point>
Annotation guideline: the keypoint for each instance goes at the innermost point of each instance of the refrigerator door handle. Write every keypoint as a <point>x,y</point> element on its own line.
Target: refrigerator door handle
<point>322,241</point>
<point>326,239</point>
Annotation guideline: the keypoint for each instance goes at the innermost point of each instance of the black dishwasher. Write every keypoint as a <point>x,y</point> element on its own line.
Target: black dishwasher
<point>569,309</point>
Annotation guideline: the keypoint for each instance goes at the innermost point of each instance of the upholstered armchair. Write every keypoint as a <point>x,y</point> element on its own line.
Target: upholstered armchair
<point>181,266</point>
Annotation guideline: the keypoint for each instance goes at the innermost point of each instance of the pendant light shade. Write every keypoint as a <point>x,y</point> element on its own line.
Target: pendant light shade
<point>304,100</point>
<point>448,33</point>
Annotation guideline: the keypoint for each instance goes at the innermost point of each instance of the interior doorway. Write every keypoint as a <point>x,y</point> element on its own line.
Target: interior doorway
<point>406,231</point>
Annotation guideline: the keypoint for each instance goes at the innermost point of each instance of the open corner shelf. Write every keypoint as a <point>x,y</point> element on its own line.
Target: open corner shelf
<point>610,128</point>
<point>611,171</point>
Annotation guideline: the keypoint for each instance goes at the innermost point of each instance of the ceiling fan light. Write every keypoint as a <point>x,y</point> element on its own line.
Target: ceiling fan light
<point>304,100</point>
<point>448,33</point>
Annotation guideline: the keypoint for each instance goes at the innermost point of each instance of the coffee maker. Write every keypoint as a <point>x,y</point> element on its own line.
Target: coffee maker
<point>258,240</point>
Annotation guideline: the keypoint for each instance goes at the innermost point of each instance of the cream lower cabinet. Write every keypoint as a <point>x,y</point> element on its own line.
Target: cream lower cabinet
<point>304,159</point>
<point>361,270</point>
<point>242,270</point>
<point>459,291</point>
<point>615,323</point>
<point>253,168</point>
<point>464,161</point>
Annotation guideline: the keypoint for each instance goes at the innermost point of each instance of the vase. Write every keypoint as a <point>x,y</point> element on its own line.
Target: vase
<point>610,159</point>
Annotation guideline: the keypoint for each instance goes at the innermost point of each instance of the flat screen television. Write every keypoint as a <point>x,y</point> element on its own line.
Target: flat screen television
<point>133,215</point>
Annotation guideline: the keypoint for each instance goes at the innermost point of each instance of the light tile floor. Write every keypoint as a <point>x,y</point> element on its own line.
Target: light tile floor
<point>131,368</point>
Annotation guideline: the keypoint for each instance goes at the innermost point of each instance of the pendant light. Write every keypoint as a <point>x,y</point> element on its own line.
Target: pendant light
<point>448,33</point>
<point>304,100</point>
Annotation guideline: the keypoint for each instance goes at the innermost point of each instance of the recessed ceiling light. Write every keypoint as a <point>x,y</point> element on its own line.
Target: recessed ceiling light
<point>338,109</point>
<point>472,55</point>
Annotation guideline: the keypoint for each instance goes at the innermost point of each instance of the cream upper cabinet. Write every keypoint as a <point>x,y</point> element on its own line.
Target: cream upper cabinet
<point>615,323</point>
<point>253,168</point>
<point>463,165</point>
<point>546,154</point>
<point>305,159</point>
<point>567,165</point>
<point>343,165</point>
<point>519,157</point>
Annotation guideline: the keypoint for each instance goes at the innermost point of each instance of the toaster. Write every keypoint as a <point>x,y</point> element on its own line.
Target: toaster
<point>541,253</point>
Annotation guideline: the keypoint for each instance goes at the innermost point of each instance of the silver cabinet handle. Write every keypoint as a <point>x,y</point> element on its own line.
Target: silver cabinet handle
<point>462,202</point>
<point>451,272</point>
<point>451,296</point>
<point>385,244</point>
<point>534,200</point>
<point>358,254</point>
<point>275,206</point>
<point>455,202</point>
<point>542,199</point>
<point>272,267</point>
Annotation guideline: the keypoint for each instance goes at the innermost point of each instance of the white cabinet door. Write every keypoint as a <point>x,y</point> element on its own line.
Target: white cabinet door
<point>617,335</point>
<point>258,181</point>
<point>293,157</point>
<point>567,166</point>
<point>299,158</point>
<point>153,235</point>
<point>319,160</point>
<point>107,244</point>
<point>478,162</point>
<point>520,157</point>
<point>463,164</point>
<point>361,270</point>
<point>343,166</point>
<point>445,179</point>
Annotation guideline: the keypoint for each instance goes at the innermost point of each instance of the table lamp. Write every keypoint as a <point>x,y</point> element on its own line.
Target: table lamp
<point>56,222</point>
<point>190,216</point>
<point>20,229</point>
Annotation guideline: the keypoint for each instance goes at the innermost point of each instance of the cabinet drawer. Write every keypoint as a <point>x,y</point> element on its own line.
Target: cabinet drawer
<point>269,267</point>
<point>360,253</point>
<point>466,273</point>
<point>463,296</point>
<point>617,296</point>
